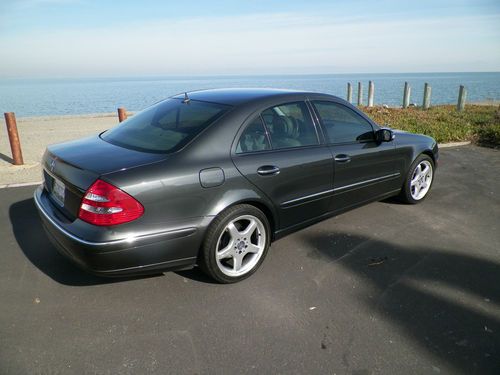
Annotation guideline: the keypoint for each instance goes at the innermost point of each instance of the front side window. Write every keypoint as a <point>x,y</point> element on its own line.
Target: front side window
<point>166,126</point>
<point>253,138</point>
<point>290,125</point>
<point>342,123</point>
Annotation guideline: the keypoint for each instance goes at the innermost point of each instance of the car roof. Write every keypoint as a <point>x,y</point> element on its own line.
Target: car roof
<point>235,96</point>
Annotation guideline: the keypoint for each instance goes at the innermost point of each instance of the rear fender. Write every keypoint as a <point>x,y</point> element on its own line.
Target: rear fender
<point>246,196</point>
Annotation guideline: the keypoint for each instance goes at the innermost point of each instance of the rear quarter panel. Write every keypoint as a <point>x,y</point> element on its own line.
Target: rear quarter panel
<point>172,194</point>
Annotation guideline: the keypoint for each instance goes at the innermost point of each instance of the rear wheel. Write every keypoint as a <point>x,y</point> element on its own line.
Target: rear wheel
<point>419,180</point>
<point>236,244</point>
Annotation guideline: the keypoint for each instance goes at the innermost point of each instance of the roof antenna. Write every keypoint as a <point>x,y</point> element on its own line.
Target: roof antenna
<point>186,98</point>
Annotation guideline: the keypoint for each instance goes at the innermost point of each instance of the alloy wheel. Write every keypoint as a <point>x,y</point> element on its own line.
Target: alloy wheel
<point>421,180</point>
<point>240,245</point>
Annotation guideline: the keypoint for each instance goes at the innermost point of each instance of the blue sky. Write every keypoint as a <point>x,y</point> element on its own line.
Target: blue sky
<point>89,38</point>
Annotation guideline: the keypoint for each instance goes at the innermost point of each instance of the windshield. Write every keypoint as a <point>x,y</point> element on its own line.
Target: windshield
<point>166,126</point>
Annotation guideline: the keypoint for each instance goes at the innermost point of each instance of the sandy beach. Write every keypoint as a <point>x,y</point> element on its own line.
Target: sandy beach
<point>38,132</point>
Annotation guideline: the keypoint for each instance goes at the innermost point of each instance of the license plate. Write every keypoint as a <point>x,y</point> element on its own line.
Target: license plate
<point>58,191</point>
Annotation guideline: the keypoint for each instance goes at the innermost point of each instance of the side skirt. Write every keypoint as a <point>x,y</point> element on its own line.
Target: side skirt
<point>286,231</point>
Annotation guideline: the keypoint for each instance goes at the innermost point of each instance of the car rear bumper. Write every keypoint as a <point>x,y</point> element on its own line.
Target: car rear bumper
<point>168,249</point>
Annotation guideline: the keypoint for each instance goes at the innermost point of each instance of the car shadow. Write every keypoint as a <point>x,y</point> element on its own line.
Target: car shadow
<point>394,200</point>
<point>196,274</point>
<point>446,301</point>
<point>36,246</point>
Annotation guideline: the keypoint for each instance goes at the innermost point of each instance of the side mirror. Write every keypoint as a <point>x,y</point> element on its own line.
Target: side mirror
<point>384,135</point>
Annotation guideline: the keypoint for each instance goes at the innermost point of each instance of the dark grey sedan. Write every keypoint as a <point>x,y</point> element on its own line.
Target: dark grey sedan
<point>211,178</point>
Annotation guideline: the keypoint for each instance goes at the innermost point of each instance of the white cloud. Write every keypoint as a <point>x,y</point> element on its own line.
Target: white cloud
<point>273,43</point>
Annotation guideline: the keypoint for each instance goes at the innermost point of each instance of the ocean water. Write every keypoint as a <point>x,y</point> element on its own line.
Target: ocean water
<point>40,97</point>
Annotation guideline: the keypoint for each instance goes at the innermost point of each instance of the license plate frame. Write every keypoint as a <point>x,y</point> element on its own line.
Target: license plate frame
<point>58,192</point>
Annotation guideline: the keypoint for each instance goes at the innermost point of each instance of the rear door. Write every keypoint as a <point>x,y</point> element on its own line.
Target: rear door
<point>363,168</point>
<point>280,152</point>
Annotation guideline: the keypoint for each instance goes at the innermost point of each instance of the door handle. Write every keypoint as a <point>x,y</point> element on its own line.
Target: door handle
<point>342,158</point>
<point>268,170</point>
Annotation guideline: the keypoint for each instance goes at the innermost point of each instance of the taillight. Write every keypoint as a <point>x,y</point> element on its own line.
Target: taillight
<point>105,204</point>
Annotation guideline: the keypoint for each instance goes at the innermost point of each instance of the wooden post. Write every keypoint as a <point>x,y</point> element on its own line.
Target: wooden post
<point>371,89</point>
<point>360,94</point>
<point>15,143</point>
<point>122,114</point>
<point>427,96</point>
<point>349,92</point>
<point>462,94</point>
<point>406,95</point>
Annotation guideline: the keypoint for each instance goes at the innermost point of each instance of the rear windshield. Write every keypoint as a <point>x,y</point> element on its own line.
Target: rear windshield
<point>166,126</point>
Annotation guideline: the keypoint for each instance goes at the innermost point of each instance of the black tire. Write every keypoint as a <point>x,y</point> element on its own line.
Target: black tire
<point>207,257</point>
<point>406,191</point>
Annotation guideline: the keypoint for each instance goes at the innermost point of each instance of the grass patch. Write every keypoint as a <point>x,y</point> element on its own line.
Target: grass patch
<point>477,123</point>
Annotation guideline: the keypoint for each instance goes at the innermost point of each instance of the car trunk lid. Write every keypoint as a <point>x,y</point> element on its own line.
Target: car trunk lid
<point>70,168</point>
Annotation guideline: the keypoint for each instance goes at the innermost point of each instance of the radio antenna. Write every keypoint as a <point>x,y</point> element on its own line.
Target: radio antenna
<point>186,98</point>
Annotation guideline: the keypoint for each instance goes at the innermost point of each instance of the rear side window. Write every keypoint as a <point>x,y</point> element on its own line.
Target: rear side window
<point>290,125</point>
<point>253,138</point>
<point>342,123</point>
<point>166,126</point>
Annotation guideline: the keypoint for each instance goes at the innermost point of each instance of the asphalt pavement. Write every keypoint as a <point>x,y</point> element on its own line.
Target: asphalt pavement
<point>384,289</point>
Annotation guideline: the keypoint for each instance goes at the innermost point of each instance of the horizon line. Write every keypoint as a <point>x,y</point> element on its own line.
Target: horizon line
<point>187,75</point>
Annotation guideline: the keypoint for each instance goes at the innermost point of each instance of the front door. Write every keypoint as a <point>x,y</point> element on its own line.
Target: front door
<point>280,153</point>
<point>363,168</point>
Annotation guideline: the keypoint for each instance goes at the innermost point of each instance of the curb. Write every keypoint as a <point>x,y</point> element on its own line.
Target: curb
<point>453,144</point>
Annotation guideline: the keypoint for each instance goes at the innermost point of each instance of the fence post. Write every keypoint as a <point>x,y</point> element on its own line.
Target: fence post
<point>462,94</point>
<point>371,89</point>
<point>406,95</point>
<point>15,143</point>
<point>427,96</point>
<point>349,92</point>
<point>360,94</point>
<point>122,114</point>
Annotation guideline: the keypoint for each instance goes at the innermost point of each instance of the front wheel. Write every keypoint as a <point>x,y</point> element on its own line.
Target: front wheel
<point>419,180</point>
<point>236,244</point>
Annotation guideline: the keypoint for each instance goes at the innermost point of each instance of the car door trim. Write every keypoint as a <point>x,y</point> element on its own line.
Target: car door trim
<point>326,193</point>
<point>307,198</point>
<point>366,182</point>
